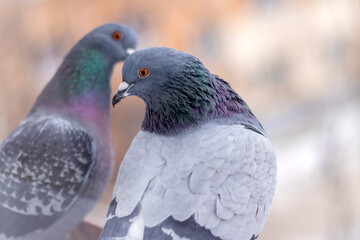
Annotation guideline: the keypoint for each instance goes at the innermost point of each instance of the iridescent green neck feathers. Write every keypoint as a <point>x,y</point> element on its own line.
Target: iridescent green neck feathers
<point>83,76</point>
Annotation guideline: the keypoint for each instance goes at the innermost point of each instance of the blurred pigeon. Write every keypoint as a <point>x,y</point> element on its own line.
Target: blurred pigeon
<point>202,167</point>
<point>56,164</point>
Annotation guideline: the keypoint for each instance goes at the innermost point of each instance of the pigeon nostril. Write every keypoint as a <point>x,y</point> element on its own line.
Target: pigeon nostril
<point>130,51</point>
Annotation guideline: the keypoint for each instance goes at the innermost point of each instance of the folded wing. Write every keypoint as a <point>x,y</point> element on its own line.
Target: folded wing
<point>44,165</point>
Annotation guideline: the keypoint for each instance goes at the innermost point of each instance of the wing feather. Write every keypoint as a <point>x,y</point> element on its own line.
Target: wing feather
<point>44,166</point>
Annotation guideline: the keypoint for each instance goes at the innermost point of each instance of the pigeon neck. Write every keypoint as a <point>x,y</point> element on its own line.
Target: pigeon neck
<point>80,87</point>
<point>212,98</point>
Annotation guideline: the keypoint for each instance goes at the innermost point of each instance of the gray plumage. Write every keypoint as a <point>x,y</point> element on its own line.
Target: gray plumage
<point>212,177</point>
<point>56,164</point>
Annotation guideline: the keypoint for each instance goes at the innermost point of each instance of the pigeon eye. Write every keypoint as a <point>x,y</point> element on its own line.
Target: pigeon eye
<point>143,72</point>
<point>117,36</point>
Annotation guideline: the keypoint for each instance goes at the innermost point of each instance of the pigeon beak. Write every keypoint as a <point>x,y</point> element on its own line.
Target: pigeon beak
<point>130,51</point>
<point>121,93</point>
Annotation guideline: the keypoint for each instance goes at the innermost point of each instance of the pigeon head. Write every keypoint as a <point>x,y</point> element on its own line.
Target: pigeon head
<point>178,90</point>
<point>82,82</point>
<point>155,74</point>
<point>113,41</point>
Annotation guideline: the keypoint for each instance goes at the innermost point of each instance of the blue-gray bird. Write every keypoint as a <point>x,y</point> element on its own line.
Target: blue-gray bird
<point>56,164</point>
<point>201,168</point>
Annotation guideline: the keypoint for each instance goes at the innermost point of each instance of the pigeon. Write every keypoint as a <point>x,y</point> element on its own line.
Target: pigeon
<point>201,168</point>
<point>56,164</point>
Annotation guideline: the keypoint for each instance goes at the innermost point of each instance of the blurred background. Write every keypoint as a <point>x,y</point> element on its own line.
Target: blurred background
<point>296,63</point>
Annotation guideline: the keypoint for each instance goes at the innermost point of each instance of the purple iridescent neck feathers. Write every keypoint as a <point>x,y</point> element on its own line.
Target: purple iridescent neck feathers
<point>207,97</point>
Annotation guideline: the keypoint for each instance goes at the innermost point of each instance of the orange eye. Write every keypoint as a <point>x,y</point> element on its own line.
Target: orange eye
<point>143,72</point>
<point>117,36</point>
